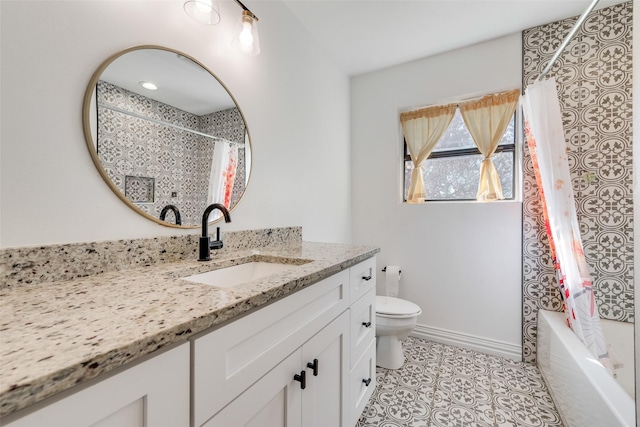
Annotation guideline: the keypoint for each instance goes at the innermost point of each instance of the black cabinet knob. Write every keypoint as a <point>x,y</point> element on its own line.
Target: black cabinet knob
<point>367,382</point>
<point>367,278</point>
<point>302,378</point>
<point>366,324</point>
<point>313,366</point>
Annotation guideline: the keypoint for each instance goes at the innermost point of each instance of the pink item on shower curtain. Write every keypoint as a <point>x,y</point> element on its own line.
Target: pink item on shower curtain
<point>545,138</point>
<point>223,174</point>
<point>229,175</point>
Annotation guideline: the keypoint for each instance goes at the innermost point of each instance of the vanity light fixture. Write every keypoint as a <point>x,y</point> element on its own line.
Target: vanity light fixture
<point>203,11</point>
<point>148,85</point>
<point>246,37</point>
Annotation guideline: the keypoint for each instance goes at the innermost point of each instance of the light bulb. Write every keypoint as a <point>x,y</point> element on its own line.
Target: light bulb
<point>246,38</point>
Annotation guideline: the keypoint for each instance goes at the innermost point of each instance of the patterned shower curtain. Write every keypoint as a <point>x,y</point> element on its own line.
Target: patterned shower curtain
<point>545,138</point>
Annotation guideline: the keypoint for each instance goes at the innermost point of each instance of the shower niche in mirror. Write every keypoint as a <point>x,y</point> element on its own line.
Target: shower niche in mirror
<point>181,142</point>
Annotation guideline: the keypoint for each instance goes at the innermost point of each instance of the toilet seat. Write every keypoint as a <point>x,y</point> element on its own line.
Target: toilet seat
<point>393,307</point>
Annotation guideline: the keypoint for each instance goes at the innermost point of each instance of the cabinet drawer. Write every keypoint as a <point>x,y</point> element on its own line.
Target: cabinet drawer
<point>359,391</point>
<point>362,325</point>
<point>228,360</point>
<point>362,278</point>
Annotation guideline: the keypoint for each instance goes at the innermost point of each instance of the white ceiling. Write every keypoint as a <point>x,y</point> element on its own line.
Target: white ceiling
<point>181,82</point>
<point>361,35</point>
<point>367,35</point>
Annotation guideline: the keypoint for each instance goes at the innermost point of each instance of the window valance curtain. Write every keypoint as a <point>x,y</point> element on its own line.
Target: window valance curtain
<point>422,130</point>
<point>487,119</point>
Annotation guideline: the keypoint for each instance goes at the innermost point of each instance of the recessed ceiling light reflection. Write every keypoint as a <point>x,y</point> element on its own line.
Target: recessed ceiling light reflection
<point>148,86</point>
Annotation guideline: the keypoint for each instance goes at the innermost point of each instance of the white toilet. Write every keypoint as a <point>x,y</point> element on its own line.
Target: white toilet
<point>395,319</point>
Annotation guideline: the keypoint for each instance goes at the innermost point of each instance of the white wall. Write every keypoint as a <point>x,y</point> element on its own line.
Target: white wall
<point>461,262</point>
<point>295,100</point>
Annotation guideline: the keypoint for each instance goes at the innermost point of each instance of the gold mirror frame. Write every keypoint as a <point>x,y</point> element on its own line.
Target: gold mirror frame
<point>91,144</point>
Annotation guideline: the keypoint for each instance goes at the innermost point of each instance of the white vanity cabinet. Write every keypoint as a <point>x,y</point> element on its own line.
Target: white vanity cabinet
<point>152,393</point>
<point>250,372</point>
<point>307,359</point>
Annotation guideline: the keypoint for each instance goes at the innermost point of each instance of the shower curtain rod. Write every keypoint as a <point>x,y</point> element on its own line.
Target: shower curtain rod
<point>567,39</point>
<point>171,125</point>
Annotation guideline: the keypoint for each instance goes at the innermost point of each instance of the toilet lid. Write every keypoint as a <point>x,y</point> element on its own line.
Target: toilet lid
<point>395,306</point>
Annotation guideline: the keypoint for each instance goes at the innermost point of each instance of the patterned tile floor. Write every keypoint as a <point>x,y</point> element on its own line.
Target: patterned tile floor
<point>445,386</point>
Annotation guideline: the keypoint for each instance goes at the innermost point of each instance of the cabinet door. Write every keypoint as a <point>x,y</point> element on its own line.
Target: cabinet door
<point>322,399</point>
<point>273,401</point>
<point>152,393</point>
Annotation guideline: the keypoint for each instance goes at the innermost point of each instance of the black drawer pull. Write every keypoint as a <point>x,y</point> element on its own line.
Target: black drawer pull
<point>302,378</point>
<point>366,324</point>
<point>367,278</point>
<point>313,366</point>
<point>367,382</point>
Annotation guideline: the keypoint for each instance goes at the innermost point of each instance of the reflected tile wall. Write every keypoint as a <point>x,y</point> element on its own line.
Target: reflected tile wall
<point>177,160</point>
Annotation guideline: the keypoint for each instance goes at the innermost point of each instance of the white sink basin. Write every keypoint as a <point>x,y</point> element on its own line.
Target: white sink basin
<point>238,274</point>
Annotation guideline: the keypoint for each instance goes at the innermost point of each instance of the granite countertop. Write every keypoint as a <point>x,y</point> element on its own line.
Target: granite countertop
<point>58,334</point>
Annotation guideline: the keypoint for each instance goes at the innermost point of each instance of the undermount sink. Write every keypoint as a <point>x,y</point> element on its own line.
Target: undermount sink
<point>238,274</point>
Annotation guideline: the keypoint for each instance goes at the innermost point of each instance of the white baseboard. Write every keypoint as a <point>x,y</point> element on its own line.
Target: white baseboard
<point>472,342</point>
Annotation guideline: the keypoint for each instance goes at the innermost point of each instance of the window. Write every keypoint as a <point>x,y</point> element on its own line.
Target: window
<point>452,171</point>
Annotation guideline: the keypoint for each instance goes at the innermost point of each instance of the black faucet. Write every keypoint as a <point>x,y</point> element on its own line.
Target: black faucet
<point>205,243</point>
<point>176,213</point>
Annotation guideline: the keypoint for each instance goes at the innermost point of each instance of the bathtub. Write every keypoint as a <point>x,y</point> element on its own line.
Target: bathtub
<point>584,393</point>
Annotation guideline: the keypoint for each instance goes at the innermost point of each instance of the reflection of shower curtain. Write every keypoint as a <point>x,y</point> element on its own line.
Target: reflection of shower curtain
<point>545,137</point>
<point>223,174</point>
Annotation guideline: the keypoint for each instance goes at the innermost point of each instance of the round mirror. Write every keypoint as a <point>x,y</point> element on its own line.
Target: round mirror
<point>166,135</point>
